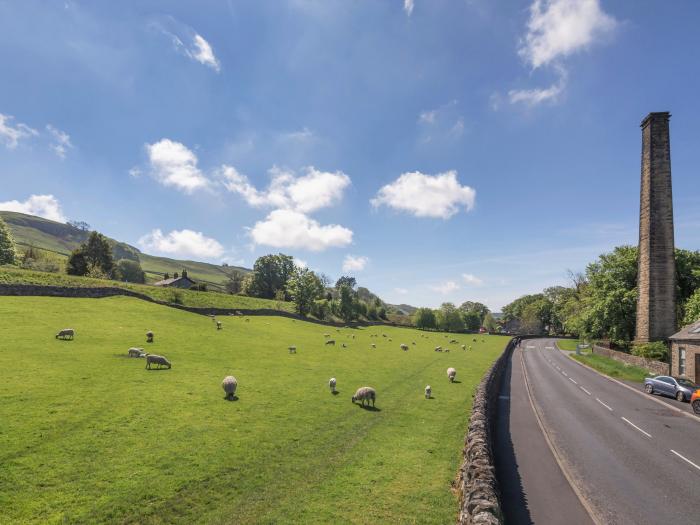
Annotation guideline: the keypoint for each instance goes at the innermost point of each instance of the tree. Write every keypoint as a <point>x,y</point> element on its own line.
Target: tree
<point>234,284</point>
<point>8,251</point>
<point>692,308</point>
<point>271,274</point>
<point>449,318</point>
<point>480,309</point>
<point>94,255</point>
<point>471,320</point>
<point>424,318</point>
<point>350,282</point>
<point>130,271</point>
<point>81,225</point>
<point>490,323</point>
<point>346,308</point>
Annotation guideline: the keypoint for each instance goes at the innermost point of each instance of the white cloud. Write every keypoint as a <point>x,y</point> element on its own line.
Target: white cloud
<point>11,135</point>
<point>353,263</point>
<point>401,291</point>
<point>300,263</point>
<point>308,193</point>
<point>558,28</point>
<point>203,53</point>
<point>408,6</point>
<point>61,141</point>
<point>445,288</point>
<point>46,206</point>
<point>302,135</point>
<point>532,97</point>
<point>427,117</point>
<point>437,196</point>
<point>293,229</point>
<point>185,243</point>
<point>471,279</point>
<point>173,164</point>
<point>442,124</point>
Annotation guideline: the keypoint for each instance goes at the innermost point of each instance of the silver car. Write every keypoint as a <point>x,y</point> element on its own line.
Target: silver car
<point>677,387</point>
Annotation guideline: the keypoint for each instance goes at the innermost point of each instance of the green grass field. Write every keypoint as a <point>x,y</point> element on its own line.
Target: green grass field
<point>89,436</point>
<point>613,368</point>
<point>568,344</point>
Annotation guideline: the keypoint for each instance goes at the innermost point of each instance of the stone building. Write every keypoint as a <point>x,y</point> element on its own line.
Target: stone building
<point>685,352</point>
<point>656,304</point>
<point>177,281</point>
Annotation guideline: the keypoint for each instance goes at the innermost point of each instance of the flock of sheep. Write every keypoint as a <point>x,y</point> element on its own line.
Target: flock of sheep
<point>363,394</point>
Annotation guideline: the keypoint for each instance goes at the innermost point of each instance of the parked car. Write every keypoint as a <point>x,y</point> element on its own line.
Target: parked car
<point>678,387</point>
<point>695,401</point>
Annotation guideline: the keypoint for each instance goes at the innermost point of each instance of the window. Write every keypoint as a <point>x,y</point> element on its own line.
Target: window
<point>681,360</point>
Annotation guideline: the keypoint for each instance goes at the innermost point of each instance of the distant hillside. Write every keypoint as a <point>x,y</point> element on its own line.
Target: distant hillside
<point>404,309</point>
<point>61,239</point>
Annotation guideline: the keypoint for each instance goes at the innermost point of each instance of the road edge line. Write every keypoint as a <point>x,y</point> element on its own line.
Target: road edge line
<point>579,494</point>
<point>643,394</point>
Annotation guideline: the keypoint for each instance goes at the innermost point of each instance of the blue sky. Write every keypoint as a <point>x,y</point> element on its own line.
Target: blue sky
<point>437,150</point>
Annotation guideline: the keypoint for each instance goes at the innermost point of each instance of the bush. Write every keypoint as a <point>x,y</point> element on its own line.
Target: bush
<point>656,350</point>
<point>199,287</point>
<point>175,296</point>
<point>130,271</point>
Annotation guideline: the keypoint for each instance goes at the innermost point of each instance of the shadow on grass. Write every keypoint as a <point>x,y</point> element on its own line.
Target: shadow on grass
<point>157,369</point>
<point>231,398</point>
<point>455,381</point>
<point>336,392</point>
<point>369,408</point>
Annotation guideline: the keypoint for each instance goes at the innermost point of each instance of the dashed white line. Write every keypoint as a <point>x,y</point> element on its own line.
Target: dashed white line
<point>635,426</point>
<point>685,459</point>
<point>606,406</point>
<point>549,348</point>
<point>586,391</point>
<point>574,382</point>
<point>567,375</point>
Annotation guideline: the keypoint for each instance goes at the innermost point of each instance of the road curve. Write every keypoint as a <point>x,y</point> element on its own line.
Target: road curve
<point>633,459</point>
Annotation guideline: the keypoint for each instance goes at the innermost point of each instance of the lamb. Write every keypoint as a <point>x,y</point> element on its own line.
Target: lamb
<point>218,325</point>
<point>363,394</point>
<point>136,352</point>
<point>149,337</point>
<point>66,333</point>
<point>331,384</point>
<point>331,342</point>
<point>428,392</point>
<point>451,373</point>
<point>229,384</point>
<point>159,360</point>
<point>374,346</point>
<point>292,349</point>
<point>438,349</point>
<point>404,347</point>
<point>464,347</point>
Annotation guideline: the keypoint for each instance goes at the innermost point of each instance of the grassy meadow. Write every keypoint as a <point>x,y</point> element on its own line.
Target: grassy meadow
<point>89,436</point>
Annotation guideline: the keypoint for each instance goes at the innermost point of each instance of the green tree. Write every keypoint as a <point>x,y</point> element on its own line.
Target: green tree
<point>424,318</point>
<point>350,282</point>
<point>692,308</point>
<point>490,323</point>
<point>346,306</point>
<point>130,271</point>
<point>8,251</point>
<point>270,275</point>
<point>234,283</point>
<point>93,257</point>
<point>472,320</point>
<point>304,287</point>
<point>479,308</point>
<point>449,318</point>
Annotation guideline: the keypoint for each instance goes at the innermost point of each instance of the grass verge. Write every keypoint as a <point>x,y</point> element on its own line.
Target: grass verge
<point>613,368</point>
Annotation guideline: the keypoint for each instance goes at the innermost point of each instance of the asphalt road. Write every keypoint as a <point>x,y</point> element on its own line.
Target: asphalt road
<point>632,459</point>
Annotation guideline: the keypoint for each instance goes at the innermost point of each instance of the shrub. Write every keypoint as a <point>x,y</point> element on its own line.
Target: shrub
<point>656,350</point>
<point>175,296</point>
<point>199,287</point>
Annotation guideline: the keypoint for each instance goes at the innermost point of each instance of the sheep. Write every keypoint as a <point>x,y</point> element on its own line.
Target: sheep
<point>218,325</point>
<point>464,347</point>
<point>404,347</point>
<point>438,349</point>
<point>292,349</point>
<point>428,392</point>
<point>383,335</point>
<point>229,384</point>
<point>331,342</point>
<point>66,333</point>
<point>363,394</point>
<point>374,346</point>
<point>453,341</point>
<point>136,352</point>
<point>149,337</point>
<point>331,384</point>
<point>451,373</point>
<point>447,350</point>
<point>326,335</point>
<point>156,360</point>
<point>344,345</point>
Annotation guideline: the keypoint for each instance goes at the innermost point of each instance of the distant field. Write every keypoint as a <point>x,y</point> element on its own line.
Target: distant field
<point>12,275</point>
<point>88,435</point>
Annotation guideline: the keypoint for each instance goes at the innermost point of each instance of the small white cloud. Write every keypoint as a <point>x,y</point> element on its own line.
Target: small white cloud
<point>203,53</point>
<point>353,263</point>
<point>471,279</point>
<point>185,243</point>
<point>427,117</point>
<point>445,288</point>
<point>532,97</point>
<point>293,229</point>
<point>302,135</point>
<point>46,206</point>
<point>61,141</point>
<point>11,135</point>
<point>558,28</point>
<point>401,291</point>
<point>408,6</point>
<point>173,164</point>
<point>308,193</point>
<point>438,196</point>
<point>187,41</point>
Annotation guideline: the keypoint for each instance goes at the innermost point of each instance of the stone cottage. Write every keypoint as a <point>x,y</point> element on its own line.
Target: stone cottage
<point>685,352</point>
<point>177,281</point>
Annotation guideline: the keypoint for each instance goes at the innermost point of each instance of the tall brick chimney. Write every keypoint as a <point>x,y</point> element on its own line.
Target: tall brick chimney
<point>656,303</point>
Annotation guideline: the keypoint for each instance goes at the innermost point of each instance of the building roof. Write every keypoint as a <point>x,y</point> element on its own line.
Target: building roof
<point>688,333</point>
<point>168,282</point>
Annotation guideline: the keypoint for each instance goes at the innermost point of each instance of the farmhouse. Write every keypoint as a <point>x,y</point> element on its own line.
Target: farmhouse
<point>685,352</point>
<point>176,281</point>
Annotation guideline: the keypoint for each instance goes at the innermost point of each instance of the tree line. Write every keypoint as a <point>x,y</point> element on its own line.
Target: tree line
<point>469,316</point>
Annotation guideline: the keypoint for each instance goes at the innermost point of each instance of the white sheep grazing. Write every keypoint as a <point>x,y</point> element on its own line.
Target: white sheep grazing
<point>156,360</point>
<point>438,349</point>
<point>229,384</point>
<point>453,341</point>
<point>149,337</point>
<point>218,325</point>
<point>331,384</point>
<point>331,342</point>
<point>404,347</point>
<point>66,333</point>
<point>292,349</point>
<point>428,392</point>
<point>374,346</point>
<point>464,347</point>
<point>451,373</point>
<point>363,394</point>
<point>136,352</point>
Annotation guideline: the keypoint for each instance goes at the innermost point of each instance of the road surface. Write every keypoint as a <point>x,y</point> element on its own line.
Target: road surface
<point>632,459</point>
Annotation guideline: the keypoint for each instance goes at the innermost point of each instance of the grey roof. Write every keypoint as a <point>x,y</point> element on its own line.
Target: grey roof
<point>167,282</point>
<point>688,333</point>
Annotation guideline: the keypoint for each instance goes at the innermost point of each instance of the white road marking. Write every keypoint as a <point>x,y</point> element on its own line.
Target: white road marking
<point>549,348</point>
<point>606,406</point>
<point>574,382</point>
<point>635,426</point>
<point>567,375</point>
<point>685,459</point>
<point>586,391</point>
<point>529,347</point>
